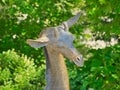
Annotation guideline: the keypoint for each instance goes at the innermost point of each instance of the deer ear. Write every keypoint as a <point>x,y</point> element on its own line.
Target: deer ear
<point>40,42</point>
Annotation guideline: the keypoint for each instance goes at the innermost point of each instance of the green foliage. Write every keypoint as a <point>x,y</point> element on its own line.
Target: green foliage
<point>101,71</point>
<point>103,15</point>
<point>19,73</point>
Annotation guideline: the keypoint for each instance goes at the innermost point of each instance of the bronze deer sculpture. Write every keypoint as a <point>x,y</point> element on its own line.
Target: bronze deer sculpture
<point>58,42</point>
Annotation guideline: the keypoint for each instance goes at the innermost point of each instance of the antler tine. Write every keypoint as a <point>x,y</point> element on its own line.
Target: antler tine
<point>67,24</point>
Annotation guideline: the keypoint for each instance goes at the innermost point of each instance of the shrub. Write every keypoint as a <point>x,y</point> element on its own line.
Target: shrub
<point>19,72</point>
<point>100,72</point>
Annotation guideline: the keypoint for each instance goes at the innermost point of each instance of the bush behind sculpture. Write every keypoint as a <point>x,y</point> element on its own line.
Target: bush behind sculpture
<point>18,72</point>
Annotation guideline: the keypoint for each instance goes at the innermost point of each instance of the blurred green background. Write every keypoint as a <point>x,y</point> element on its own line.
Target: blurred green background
<point>97,38</point>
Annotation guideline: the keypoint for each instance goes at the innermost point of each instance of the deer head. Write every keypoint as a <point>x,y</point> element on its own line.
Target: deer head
<point>58,39</point>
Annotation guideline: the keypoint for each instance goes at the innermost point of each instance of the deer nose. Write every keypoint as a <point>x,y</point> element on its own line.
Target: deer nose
<point>79,60</point>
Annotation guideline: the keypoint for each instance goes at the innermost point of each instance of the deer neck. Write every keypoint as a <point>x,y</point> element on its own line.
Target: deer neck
<point>56,71</point>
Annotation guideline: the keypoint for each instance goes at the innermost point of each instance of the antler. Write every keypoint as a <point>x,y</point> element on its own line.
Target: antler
<point>67,24</point>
